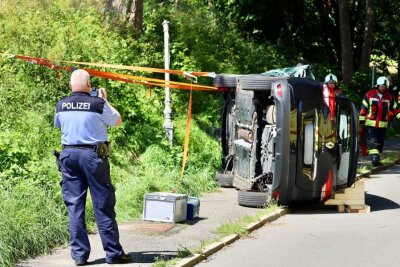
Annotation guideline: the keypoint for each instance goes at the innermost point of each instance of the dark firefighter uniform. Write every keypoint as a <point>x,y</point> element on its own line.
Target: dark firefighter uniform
<point>83,120</point>
<point>376,111</point>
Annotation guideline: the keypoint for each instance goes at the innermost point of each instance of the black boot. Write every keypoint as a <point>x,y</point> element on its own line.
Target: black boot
<point>124,258</point>
<point>375,160</point>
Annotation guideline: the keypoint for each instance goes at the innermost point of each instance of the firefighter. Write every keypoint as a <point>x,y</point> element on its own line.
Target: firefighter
<point>393,90</point>
<point>331,80</point>
<point>376,109</point>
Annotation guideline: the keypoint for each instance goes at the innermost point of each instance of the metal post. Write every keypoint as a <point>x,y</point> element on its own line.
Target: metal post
<point>168,126</point>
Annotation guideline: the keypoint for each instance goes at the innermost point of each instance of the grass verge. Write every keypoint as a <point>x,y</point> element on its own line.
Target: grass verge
<point>30,224</point>
<point>387,159</point>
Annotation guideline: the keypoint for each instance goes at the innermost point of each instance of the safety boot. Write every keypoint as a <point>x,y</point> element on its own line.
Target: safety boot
<point>124,258</point>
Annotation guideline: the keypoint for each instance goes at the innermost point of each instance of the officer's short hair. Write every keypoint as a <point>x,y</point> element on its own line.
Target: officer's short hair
<point>79,79</point>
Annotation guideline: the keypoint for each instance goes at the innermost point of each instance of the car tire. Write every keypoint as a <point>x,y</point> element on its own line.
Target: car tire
<point>255,199</point>
<point>257,82</point>
<point>224,180</point>
<point>225,80</point>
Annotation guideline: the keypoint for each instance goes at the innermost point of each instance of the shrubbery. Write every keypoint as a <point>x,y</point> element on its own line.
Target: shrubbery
<point>32,216</point>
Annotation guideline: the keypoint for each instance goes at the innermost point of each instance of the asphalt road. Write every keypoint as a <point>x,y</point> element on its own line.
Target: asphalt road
<point>320,236</point>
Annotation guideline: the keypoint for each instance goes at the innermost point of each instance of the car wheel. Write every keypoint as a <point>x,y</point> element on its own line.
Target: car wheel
<point>224,180</point>
<point>257,82</point>
<point>253,198</point>
<point>225,80</point>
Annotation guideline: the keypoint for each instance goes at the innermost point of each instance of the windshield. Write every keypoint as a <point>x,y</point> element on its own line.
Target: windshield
<point>303,71</point>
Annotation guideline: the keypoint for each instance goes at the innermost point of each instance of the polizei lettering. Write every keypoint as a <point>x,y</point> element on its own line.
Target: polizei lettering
<point>75,105</point>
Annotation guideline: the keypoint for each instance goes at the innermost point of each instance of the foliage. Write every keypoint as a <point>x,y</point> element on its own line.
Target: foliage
<point>159,170</point>
<point>141,159</point>
<point>228,37</point>
<point>30,222</point>
<point>309,29</point>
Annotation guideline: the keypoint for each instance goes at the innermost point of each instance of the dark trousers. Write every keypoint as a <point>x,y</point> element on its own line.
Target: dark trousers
<point>82,169</point>
<point>376,140</point>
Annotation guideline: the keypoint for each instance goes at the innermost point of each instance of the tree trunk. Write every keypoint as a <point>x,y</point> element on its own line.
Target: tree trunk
<point>135,15</point>
<point>328,20</point>
<point>345,42</point>
<point>368,31</point>
<point>398,62</point>
<point>298,13</point>
<point>114,7</point>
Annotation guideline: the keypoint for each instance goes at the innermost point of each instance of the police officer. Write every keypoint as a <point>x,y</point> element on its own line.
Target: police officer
<point>83,120</point>
<point>376,109</point>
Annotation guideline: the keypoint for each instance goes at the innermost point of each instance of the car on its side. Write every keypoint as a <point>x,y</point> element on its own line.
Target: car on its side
<point>286,136</point>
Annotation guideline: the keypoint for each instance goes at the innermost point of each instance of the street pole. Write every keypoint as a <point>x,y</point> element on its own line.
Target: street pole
<point>168,126</point>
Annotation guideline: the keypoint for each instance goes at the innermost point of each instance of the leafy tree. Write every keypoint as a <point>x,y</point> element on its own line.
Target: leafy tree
<point>312,29</point>
<point>130,11</point>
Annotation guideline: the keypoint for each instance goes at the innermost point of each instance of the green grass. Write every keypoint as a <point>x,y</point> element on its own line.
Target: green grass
<point>364,168</point>
<point>389,158</point>
<point>386,159</point>
<point>30,223</point>
<point>239,227</point>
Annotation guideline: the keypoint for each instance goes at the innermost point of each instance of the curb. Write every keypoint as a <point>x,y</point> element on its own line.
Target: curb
<point>192,260</point>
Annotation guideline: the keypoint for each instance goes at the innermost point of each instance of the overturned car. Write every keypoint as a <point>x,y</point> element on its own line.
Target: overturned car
<point>286,136</point>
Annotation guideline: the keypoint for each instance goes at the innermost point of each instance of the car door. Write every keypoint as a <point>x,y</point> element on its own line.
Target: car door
<point>347,142</point>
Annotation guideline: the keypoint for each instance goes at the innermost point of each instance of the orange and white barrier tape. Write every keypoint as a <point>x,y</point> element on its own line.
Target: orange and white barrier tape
<point>145,69</point>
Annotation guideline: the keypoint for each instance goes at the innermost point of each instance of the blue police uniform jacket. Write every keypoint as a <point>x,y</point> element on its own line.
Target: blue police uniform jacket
<point>83,119</point>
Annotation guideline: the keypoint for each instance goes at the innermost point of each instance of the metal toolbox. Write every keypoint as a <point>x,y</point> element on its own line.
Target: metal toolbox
<point>164,207</point>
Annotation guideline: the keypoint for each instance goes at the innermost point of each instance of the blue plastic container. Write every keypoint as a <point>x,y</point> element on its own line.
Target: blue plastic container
<point>193,208</point>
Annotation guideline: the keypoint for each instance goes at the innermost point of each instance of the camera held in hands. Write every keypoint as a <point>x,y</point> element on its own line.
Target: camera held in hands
<point>94,91</point>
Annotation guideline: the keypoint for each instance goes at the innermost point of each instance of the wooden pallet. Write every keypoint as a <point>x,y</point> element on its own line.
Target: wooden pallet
<point>352,200</point>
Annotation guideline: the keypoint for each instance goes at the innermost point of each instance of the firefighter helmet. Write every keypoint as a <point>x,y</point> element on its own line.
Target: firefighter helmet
<point>330,78</point>
<point>382,81</point>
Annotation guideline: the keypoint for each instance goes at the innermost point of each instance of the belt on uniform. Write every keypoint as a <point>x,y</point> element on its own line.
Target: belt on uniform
<point>90,147</point>
<point>102,149</point>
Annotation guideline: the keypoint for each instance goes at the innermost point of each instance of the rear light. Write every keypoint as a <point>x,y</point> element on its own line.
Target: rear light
<point>276,195</point>
<point>279,90</point>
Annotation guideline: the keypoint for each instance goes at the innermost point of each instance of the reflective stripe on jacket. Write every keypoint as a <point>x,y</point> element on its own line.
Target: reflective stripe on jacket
<point>376,111</point>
